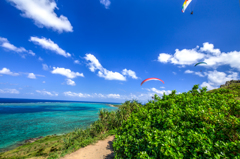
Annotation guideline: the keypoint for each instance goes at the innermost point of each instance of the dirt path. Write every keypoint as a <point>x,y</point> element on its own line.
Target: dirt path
<point>101,150</point>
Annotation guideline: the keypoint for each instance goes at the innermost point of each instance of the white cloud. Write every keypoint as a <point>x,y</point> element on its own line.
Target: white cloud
<point>42,12</point>
<point>209,86</point>
<point>99,95</point>
<point>196,73</point>
<point>109,75</point>
<point>43,82</point>
<point>215,79</point>
<point>44,92</point>
<point>94,64</point>
<point>8,72</point>
<point>160,92</point>
<point>174,73</point>
<point>113,96</point>
<point>10,91</point>
<point>3,39</point>
<point>72,94</point>
<point>76,62</point>
<point>213,57</point>
<point>199,74</point>
<point>188,71</point>
<point>70,82</point>
<point>94,95</point>
<point>31,53</point>
<point>40,59</point>
<point>50,45</point>
<point>31,75</point>
<point>13,48</point>
<point>164,58</point>
<point>129,73</point>
<point>45,66</point>
<point>210,48</point>
<point>66,72</point>
<point>21,50</point>
<point>106,3</point>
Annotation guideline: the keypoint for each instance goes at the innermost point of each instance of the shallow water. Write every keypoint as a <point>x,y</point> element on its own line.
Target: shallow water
<point>21,121</point>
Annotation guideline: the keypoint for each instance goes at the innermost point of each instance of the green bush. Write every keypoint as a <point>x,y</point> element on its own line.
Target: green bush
<point>195,124</point>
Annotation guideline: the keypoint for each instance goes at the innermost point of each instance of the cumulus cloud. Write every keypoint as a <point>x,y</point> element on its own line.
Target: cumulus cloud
<point>44,92</point>
<point>70,82</point>
<point>164,58</point>
<point>210,48</point>
<point>42,12</point>
<point>94,65</point>
<point>31,75</point>
<point>50,45</point>
<point>45,66</point>
<point>20,50</point>
<point>10,91</point>
<point>40,59</point>
<point>129,73</point>
<point>215,79</point>
<point>8,72</point>
<point>213,57</point>
<point>106,3</point>
<point>66,72</point>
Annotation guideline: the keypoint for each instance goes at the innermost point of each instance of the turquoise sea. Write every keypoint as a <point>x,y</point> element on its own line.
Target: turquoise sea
<point>24,119</point>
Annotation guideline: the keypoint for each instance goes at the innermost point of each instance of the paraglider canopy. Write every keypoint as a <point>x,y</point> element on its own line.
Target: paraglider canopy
<point>149,79</point>
<point>200,63</point>
<point>185,5</point>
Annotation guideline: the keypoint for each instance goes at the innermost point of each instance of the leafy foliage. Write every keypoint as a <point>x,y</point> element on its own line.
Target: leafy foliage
<point>187,125</point>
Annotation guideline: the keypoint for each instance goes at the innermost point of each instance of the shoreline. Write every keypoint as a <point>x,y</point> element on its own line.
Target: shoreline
<point>113,105</point>
<point>31,140</point>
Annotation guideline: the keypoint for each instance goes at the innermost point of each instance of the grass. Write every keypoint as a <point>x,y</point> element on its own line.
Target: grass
<point>147,131</point>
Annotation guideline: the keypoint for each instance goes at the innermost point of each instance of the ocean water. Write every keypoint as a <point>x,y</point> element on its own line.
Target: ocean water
<point>22,119</point>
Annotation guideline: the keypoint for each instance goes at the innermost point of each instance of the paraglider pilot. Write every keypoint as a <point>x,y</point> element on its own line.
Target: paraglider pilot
<point>192,12</point>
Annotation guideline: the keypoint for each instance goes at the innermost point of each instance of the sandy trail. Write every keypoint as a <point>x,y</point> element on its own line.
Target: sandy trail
<point>101,150</point>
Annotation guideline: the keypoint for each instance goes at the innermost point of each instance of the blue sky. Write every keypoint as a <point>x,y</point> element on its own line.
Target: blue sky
<point>102,50</point>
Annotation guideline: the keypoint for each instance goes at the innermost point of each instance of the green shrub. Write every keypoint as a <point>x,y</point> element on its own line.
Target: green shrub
<point>187,125</point>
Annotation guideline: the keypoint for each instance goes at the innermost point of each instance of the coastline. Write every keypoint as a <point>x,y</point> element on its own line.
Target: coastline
<point>31,140</point>
<point>112,105</point>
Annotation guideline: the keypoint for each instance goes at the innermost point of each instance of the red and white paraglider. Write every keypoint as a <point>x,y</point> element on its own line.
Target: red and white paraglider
<point>149,79</point>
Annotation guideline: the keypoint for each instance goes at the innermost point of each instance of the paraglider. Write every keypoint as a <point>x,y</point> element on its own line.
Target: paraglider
<point>149,79</point>
<point>200,63</point>
<point>185,5</point>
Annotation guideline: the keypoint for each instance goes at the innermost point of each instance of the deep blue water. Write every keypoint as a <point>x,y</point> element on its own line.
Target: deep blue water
<point>22,119</point>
